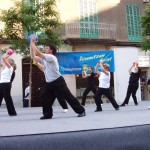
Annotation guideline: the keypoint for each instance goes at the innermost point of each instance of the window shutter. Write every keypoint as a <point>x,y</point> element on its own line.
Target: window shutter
<point>88,19</point>
<point>133,22</point>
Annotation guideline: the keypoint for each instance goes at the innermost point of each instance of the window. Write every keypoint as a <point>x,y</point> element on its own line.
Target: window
<point>88,19</point>
<point>133,22</point>
<point>30,2</point>
<point>146,1</point>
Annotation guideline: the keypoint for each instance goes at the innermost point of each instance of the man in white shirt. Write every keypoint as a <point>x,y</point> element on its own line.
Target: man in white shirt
<point>55,83</point>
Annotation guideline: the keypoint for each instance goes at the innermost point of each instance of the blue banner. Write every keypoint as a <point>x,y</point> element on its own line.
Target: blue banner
<point>74,62</point>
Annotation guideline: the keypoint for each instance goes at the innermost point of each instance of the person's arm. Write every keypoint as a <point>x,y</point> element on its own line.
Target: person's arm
<point>26,95</point>
<point>40,66</point>
<point>136,67</point>
<point>103,69</point>
<point>131,68</point>
<point>35,49</point>
<point>36,58</point>
<point>97,68</point>
<point>85,75</point>
<point>5,60</point>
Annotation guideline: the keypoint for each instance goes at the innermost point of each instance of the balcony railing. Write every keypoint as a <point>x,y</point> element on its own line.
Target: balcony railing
<point>75,29</point>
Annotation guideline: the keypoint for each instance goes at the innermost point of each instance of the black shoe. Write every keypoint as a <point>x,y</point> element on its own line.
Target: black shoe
<point>136,104</point>
<point>82,114</point>
<point>98,110</point>
<point>46,117</point>
<point>122,105</point>
<point>15,114</point>
<point>117,108</point>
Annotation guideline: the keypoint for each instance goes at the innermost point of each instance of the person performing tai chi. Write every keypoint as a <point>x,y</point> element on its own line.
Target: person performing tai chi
<point>5,83</point>
<point>91,84</point>
<point>55,83</point>
<point>11,80</point>
<point>135,73</point>
<point>104,86</point>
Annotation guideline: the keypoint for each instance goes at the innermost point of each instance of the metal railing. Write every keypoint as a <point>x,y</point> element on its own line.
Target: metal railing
<point>76,29</point>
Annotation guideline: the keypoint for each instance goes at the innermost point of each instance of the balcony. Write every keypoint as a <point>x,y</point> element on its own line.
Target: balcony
<point>90,30</point>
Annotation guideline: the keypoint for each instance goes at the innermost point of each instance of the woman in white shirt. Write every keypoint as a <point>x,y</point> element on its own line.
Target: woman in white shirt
<point>5,84</point>
<point>104,86</point>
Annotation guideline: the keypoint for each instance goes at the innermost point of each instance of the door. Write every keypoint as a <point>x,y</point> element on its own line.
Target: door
<point>38,80</point>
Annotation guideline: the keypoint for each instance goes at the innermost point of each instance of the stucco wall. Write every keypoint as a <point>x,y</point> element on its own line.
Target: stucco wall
<point>124,58</point>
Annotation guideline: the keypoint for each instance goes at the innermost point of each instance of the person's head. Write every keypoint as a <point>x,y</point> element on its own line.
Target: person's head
<point>27,84</point>
<point>135,64</point>
<point>106,66</point>
<point>50,49</point>
<point>90,68</point>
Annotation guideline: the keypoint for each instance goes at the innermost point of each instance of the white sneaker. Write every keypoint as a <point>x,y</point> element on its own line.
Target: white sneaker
<point>65,110</point>
<point>149,107</point>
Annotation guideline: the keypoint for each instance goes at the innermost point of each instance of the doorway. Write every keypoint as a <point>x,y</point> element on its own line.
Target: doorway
<point>38,80</point>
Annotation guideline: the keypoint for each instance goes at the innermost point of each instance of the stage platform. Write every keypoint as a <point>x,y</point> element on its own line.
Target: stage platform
<point>130,121</point>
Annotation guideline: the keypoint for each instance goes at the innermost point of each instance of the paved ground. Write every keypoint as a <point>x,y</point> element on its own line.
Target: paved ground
<point>27,121</point>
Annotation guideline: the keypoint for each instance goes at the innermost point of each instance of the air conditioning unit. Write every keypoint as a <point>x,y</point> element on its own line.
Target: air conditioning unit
<point>146,1</point>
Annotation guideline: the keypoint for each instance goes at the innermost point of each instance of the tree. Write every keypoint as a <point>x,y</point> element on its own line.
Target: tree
<point>145,20</point>
<point>23,19</point>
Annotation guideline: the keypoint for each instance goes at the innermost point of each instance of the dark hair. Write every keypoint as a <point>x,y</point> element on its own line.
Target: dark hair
<point>52,47</point>
<point>91,67</point>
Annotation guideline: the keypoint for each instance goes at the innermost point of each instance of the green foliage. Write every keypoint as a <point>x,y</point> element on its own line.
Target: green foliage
<point>146,44</point>
<point>145,20</point>
<point>23,19</point>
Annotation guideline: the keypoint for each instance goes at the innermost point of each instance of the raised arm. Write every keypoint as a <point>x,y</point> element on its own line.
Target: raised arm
<point>5,58</point>
<point>97,65</point>
<point>36,58</point>
<point>85,75</point>
<point>40,66</point>
<point>136,67</point>
<point>103,68</point>
<point>131,67</point>
<point>35,49</point>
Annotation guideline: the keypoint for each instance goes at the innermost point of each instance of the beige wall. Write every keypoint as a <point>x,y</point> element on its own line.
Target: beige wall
<point>88,47</point>
<point>6,4</point>
<point>68,9</point>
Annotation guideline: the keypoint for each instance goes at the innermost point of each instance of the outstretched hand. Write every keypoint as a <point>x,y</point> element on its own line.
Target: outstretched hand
<point>33,40</point>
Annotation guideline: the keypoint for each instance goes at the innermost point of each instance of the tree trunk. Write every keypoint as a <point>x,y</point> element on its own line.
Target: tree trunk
<point>30,83</point>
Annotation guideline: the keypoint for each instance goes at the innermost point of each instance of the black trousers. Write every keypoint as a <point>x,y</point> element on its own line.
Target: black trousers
<point>107,93</point>
<point>5,89</point>
<point>25,102</point>
<point>86,92</point>
<point>132,89</point>
<point>58,88</point>
<point>62,102</point>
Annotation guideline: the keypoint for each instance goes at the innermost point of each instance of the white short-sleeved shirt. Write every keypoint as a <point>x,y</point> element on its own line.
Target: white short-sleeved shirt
<point>104,80</point>
<point>6,74</point>
<point>51,67</point>
<point>27,90</point>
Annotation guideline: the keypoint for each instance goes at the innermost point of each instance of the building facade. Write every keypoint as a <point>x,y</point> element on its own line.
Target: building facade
<point>103,25</point>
